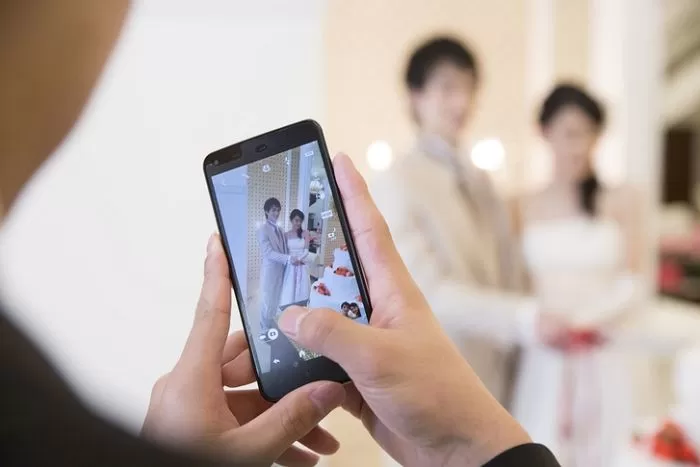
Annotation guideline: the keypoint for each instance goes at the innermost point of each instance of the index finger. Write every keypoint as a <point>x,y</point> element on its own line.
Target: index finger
<point>205,344</point>
<point>380,259</point>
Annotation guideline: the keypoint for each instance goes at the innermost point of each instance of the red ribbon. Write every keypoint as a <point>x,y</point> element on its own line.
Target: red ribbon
<point>575,344</point>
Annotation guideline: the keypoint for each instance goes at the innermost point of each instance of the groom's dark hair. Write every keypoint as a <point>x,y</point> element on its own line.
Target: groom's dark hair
<point>271,203</point>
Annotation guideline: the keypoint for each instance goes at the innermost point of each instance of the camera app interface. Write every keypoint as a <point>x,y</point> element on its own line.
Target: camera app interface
<point>287,247</point>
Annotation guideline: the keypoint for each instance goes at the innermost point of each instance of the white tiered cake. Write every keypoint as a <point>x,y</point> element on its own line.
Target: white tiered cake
<point>338,286</point>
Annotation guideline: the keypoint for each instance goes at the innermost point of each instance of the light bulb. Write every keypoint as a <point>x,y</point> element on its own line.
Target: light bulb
<point>488,154</point>
<point>379,156</point>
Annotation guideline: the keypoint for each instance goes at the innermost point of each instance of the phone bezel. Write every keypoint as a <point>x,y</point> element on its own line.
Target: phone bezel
<point>275,384</point>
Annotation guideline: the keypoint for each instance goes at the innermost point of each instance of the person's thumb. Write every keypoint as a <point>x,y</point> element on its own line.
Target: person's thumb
<point>329,333</point>
<point>292,418</point>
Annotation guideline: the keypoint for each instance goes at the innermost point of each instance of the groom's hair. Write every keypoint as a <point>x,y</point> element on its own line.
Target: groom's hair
<point>438,50</point>
<point>271,203</point>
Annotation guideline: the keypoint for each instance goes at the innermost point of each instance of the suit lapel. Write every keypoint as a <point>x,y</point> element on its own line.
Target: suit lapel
<point>489,256</point>
<point>275,237</point>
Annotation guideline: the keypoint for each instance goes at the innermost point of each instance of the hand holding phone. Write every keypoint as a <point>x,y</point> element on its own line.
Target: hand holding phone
<point>271,194</point>
<point>411,388</point>
<point>190,408</point>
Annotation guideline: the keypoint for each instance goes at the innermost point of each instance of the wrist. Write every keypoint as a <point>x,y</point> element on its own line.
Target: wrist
<point>476,443</point>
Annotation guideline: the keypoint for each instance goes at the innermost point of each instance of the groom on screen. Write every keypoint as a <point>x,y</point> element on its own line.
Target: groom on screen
<point>275,257</point>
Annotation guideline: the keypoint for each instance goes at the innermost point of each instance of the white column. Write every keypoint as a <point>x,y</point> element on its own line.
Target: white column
<point>626,70</point>
<point>539,78</point>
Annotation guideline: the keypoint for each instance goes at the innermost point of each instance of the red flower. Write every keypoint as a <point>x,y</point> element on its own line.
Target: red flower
<point>671,444</point>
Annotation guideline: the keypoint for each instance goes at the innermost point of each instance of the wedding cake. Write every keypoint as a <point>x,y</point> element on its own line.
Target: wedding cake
<point>674,439</point>
<point>337,288</point>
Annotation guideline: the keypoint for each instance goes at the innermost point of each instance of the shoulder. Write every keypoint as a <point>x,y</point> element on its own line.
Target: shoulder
<point>622,193</point>
<point>620,201</point>
<point>262,229</point>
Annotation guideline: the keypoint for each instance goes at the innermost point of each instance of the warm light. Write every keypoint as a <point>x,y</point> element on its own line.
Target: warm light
<point>379,156</point>
<point>488,154</point>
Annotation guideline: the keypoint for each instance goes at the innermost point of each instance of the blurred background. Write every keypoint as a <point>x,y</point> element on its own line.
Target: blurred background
<point>105,250</point>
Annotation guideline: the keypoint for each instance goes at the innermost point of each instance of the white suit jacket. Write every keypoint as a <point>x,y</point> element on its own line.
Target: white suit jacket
<point>463,254</point>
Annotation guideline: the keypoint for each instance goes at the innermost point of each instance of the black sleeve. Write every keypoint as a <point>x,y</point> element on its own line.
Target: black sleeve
<point>526,455</point>
<point>43,424</point>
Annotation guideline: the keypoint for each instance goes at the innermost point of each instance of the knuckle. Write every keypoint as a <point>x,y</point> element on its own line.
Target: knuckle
<point>208,307</point>
<point>159,386</point>
<point>293,423</point>
<point>376,360</point>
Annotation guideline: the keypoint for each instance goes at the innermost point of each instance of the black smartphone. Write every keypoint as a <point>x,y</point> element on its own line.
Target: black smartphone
<point>288,242</point>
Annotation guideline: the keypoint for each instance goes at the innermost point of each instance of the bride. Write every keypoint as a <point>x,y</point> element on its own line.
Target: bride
<point>296,286</point>
<point>580,242</point>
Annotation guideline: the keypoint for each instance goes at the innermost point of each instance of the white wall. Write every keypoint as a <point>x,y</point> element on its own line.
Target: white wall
<point>104,253</point>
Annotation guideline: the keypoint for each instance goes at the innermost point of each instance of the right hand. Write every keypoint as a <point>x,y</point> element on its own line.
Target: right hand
<point>552,330</point>
<point>413,391</point>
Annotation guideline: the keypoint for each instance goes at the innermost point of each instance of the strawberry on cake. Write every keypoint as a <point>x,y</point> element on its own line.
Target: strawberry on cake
<point>338,285</point>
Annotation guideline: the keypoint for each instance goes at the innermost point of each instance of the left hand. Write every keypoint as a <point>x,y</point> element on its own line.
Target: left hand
<point>190,406</point>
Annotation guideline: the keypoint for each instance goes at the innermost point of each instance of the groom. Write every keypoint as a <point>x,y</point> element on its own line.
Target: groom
<point>451,229</point>
<point>275,257</point>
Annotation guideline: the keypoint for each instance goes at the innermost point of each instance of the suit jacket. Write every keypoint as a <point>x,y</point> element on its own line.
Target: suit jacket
<point>275,256</point>
<point>461,249</point>
<point>273,246</point>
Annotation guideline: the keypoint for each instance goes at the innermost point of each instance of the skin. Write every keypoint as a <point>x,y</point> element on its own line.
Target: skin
<point>273,214</point>
<point>296,223</point>
<point>52,54</point>
<point>445,103</point>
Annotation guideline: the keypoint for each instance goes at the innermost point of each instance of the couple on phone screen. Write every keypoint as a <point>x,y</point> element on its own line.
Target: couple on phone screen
<point>284,275</point>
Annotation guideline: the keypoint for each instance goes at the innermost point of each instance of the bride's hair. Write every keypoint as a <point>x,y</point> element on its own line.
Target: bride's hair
<point>568,95</point>
<point>300,215</point>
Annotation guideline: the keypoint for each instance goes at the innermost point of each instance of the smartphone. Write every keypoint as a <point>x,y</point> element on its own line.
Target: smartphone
<point>288,242</point>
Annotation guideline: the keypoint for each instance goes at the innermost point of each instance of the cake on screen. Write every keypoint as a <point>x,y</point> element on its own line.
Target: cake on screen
<point>337,289</point>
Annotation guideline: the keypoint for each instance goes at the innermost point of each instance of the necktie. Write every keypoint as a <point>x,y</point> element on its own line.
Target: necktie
<point>280,237</point>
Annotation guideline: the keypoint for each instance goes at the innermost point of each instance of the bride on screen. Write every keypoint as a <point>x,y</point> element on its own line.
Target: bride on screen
<point>581,242</point>
<point>296,286</point>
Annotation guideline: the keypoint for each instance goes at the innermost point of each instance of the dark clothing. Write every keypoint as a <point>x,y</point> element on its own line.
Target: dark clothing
<point>531,455</point>
<point>42,423</point>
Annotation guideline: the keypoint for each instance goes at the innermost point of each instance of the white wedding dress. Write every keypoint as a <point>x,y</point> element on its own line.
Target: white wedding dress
<point>296,286</point>
<point>578,405</point>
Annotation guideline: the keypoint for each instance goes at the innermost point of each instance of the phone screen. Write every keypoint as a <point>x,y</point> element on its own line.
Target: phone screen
<point>287,245</point>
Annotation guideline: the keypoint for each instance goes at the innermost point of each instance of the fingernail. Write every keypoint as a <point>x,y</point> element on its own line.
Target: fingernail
<point>327,396</point>
<point>291,319</point>
<point>211,244</point>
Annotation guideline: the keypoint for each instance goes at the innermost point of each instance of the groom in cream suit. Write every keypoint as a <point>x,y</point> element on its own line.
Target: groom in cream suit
<point>453,232</point>
<point>275,257</point>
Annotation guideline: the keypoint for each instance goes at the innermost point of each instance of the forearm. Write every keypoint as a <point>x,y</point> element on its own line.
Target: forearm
<point>612,309</point>
<point>277,257</point>
<point>505,319</point>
